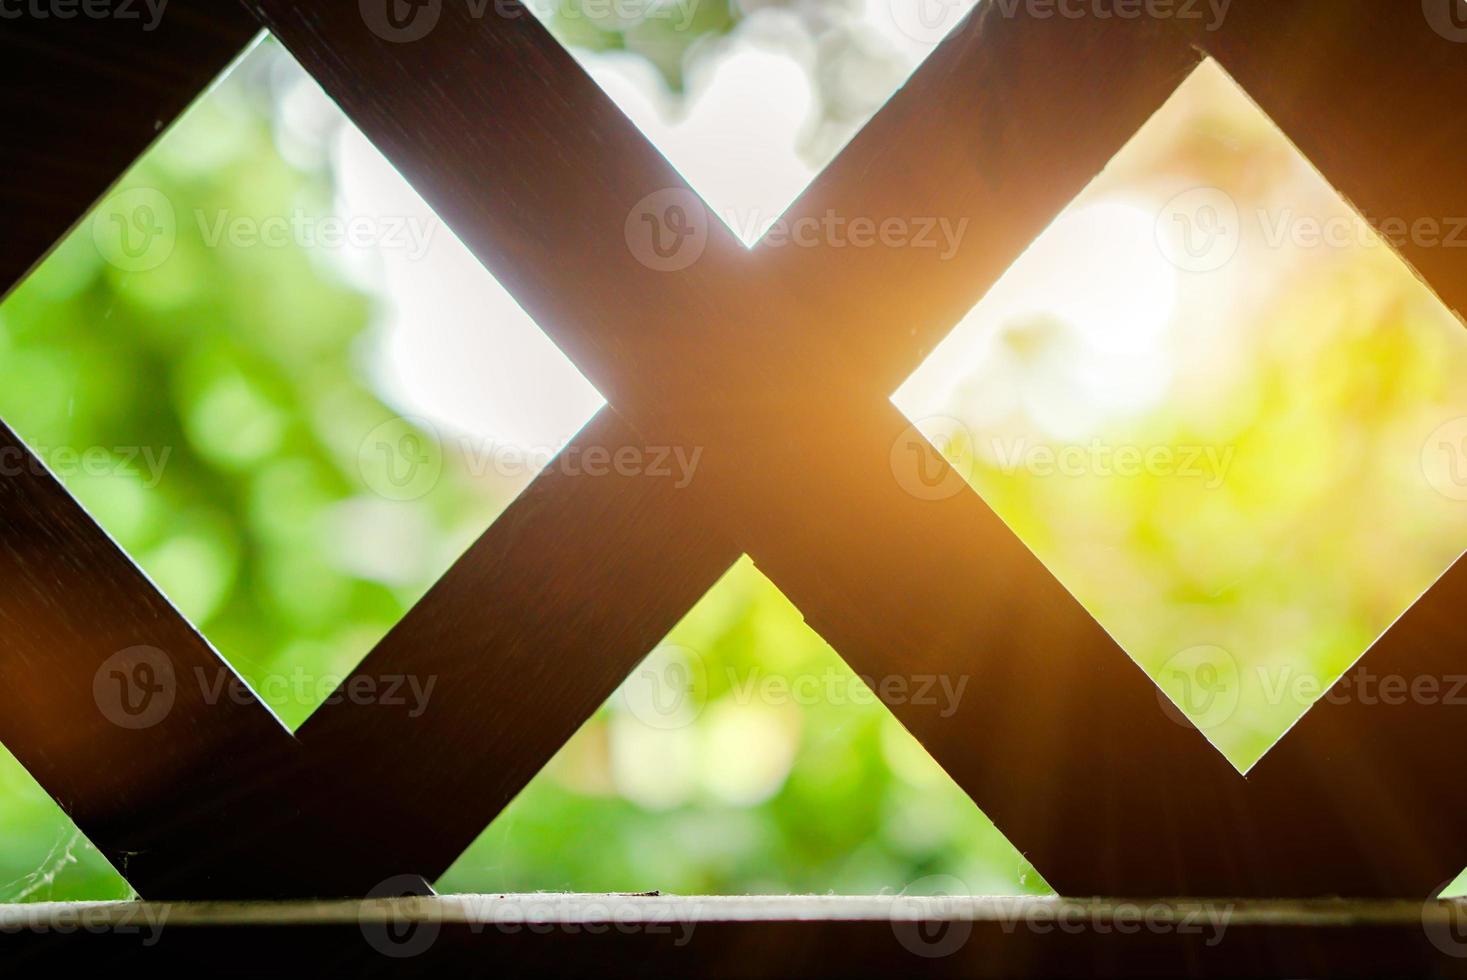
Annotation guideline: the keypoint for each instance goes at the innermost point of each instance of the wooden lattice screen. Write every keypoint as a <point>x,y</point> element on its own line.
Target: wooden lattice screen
<point>779,365</point>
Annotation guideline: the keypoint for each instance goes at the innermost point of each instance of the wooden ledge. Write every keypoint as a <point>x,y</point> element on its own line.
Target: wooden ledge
<point>761,936</point>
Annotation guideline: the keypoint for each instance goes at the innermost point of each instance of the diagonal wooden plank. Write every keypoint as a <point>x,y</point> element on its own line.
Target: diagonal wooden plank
<point>1361,770</point>
<point>113,702</point>
<point>1060,727</point>
<point>995,134</point>
<point>1375,105</point>
<point>83,96</point>
<point>520,643</point>
<point>1340,108</point>
<point>839,587</point>
<point>811,584</point>
<point>521,169</point>
<point>540,188</point>
<point>1333,767</point>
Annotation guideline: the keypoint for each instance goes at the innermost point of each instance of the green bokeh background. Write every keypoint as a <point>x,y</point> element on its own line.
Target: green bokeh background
<point>249,368</point>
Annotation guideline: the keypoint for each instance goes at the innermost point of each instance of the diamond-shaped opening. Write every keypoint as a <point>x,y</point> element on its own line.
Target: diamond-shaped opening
<point>280,382</point>
<point>1222,410</point>
<point>749,101</point>
<point>744,756</point>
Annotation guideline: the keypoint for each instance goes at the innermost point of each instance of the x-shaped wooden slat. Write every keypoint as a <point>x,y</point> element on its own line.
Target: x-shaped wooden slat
<point>779,365</point>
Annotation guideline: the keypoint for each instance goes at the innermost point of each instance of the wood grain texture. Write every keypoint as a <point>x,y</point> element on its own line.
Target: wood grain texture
<point>801,450</point>
<point>1371,93</point>
<point>82,97</point>
<point>1369,779</point>
<point>160,774</point>
<point>522,641</point>
<point>806,936</point>
<point>778,365</point>
<point>996,133</point>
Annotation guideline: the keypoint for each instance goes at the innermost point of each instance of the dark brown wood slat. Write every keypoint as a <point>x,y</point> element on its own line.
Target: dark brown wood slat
<point>291,867</point>
<point>1313,770</point>
<point>538,172</point>
<point>806,936</point>
<point>83,96</point>
<point>1059,725</point>
<point>577,582</point>
<point>819,581</point>
<point>523,639</point>
<point>996,133</point>
<point>1371,93</point>
<point>1396,160</point>
<point>951,616</point>
<point>108,698</point>
<point>1202,829</point>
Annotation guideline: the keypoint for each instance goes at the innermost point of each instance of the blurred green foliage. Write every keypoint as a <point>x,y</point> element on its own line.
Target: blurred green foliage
<point>774,771</point>
<point>243,368</point>
<point>1328,383</point>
